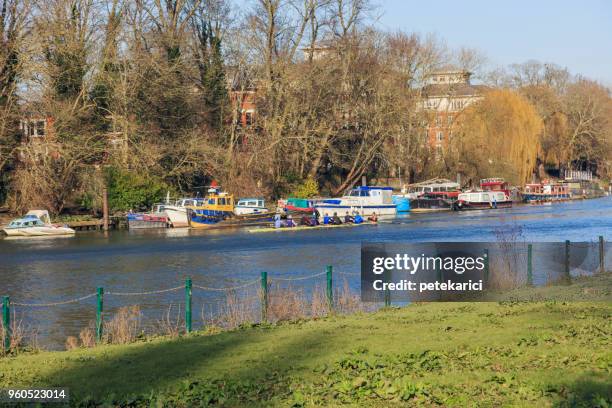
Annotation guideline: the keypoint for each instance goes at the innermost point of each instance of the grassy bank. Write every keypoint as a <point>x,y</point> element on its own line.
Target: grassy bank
<point>513,353</point>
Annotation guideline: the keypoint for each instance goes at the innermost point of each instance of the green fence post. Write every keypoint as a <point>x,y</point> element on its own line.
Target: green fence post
<point>486,266</point>
<point>530,265</point>
<point>6,322</point>
<point>330,288</point>
<point>264,296</point>
<point>188,305</point>
<point>601,254</point>
<point>567,278</point>
<point>99,309</point>
<point>387,291</point>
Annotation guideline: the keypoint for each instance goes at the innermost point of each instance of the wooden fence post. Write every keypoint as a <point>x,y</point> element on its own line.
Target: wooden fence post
<point>188,305</point>
<point>330,288</point>
<point>6,322</point>
<point>530,265</point>
<point>99,310</point>
<point>264,296</point>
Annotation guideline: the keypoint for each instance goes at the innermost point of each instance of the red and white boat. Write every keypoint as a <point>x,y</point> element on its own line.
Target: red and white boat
<point>493,193</point>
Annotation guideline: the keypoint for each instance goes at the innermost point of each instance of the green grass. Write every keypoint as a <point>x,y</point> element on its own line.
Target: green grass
<point>511,353</point>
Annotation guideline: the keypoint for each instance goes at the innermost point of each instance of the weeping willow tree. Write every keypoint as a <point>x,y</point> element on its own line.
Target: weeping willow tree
<point>498,136</point>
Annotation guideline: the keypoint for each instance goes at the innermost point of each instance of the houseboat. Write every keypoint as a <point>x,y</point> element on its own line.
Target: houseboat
<point>546,192</point>
<point>494,193</point>
<point>217,206</point>
<point>35,223</point>
<point>364,200</point>
<point>437,185</point>
<point>434,201</point>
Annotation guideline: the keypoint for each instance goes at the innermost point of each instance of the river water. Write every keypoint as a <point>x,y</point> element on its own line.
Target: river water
<point>57,269</point>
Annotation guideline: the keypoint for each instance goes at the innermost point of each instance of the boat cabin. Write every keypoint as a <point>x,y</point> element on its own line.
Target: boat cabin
<point>493,184</point>
<point>27,221</point>
<point>378,194</point>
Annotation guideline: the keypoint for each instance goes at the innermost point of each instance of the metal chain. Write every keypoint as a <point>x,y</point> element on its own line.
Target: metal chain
<point>299,278</point>
<point>228,288</point>
<point>349,273</point>
<point>151,292</point>
<point>65,302</point>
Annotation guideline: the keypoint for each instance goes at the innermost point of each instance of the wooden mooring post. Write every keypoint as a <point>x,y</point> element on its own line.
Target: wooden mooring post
<point>105,209</point>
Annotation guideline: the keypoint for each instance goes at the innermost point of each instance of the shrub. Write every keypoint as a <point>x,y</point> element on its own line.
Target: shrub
<point>309,188</point>
<point>127,190</point>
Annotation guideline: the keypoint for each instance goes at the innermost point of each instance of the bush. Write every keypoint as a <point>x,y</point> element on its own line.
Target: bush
<point>309,188</point>
<point>133,191</point>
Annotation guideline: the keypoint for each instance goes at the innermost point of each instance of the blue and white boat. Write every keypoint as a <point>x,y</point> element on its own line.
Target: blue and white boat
<point>363,199</point>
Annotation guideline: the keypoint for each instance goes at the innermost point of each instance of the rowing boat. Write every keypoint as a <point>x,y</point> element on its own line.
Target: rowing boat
<point>306,227</point>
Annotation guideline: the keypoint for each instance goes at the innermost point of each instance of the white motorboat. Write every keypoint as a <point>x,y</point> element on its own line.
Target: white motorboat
<point>35,223</point>
<point>177,211</point>
<point>364,200</point>
<point>249,206</point>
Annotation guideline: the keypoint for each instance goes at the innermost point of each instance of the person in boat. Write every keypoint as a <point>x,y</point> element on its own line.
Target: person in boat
<point>373,217</point>
<point>290,223</point>
<point>277,221</point>
<point>336,220</point>
<point>358,219</point>
<point>315,218</point>
<point>308,221</point>
<point>348,218</point>
<point>326,219</point>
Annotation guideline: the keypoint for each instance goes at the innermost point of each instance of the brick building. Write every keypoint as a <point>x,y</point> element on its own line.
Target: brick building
<point>446,94</point>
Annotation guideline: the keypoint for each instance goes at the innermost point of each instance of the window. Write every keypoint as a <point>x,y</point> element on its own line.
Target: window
<point>439,136</point>
<point>222,201</point>
<point>248,118</point>
<point>40,128</point>
<point>438,120</point>
<point>450,120</point>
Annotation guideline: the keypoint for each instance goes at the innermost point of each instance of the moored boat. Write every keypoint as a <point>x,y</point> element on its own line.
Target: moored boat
<point>363,200</point>
<point>218,206</point>
<point>147,220</point>
<point>545,192</point>
<point>35,223</point>
<point>177,211</point>
<point>494,193</point>
<point>250,206</point>
<point>434,201</point>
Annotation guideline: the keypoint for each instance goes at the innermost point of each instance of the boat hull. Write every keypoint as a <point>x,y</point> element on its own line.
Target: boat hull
<point>466,205</point>
<point>177,216</point>
<point>543,198</point>
<point>430,205</point>
<point>38,231</point>
<point>147,221</point>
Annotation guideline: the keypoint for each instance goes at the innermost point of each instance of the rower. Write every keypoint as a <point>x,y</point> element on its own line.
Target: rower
<point>373,217</point>
<point>348,218</point>
<point>336,220</point>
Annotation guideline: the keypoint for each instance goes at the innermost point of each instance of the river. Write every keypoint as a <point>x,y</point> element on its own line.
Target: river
<point>58,269</point>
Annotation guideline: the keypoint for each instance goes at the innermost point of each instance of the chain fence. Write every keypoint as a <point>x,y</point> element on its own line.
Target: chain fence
<point>274,298</point>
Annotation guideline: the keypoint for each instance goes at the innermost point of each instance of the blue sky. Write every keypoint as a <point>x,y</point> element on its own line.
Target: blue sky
<point>574,34</point>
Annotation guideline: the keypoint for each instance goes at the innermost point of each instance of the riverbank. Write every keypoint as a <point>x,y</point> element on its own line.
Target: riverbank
<point>452,354</point>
